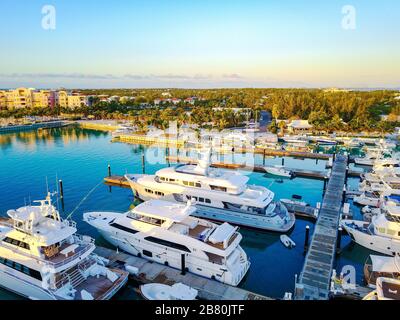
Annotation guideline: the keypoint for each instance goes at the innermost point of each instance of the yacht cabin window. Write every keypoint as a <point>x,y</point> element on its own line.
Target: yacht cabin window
<point>218,188</point>
<point>146,219</point>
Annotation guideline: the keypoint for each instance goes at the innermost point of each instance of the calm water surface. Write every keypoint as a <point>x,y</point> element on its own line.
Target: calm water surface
<point>80,157</point>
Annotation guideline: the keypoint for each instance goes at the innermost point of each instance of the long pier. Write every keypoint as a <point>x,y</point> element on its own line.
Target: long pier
<point>315,278</point>
<point>151,272</point>
<point>314,174</point>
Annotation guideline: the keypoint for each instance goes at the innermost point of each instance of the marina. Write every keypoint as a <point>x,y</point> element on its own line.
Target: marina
<point>260,246</point>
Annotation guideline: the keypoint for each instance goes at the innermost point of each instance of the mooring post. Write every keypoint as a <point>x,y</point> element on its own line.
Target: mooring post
<point>264,158</point>
<point>183,264</point>
<point>307,236</point>
<point>109,170</point>
<point>61,189</point>
<point>143,164</point>
<point>283,161</point>
<point>325,183</point>
<point>339,240</point>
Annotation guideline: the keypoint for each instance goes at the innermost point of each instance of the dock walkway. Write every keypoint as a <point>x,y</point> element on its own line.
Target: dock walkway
<point>315,278</point>
<point>151,272</point>
<point>314,174</point>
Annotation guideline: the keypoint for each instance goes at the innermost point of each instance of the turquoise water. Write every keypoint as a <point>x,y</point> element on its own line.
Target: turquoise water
<point>80,157</point>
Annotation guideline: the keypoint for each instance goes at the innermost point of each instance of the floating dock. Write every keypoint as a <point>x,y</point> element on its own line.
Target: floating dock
<point>315,278</point>
<point>152,272</point>
<point>148,140</point>
<point>118,181</point>
<point>34,126</point>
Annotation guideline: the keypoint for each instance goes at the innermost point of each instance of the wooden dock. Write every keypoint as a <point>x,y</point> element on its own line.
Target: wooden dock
<point>118,181</point>
<point>304,173</point>
<point>315,278</point>
<point>148,140</point>
<point>151,272</point>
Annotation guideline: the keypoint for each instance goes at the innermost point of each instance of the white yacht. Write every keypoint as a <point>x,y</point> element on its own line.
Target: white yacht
<point>371,199</point>
<point>279,171</point>
<point>381,235</point>
<point>166,233</point>
<point>159,291</point>
<point>218,194</point>
<point>42,258</point>
<point>380,187</point>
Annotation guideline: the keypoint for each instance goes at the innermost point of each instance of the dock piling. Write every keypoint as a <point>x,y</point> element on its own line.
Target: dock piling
<point>143,164</point>
<point>61,189</point>
<point>325,183</point>
<point>306,239</point>
<point>283,161</point>
<point>264,157</point>
<point>109,170</point>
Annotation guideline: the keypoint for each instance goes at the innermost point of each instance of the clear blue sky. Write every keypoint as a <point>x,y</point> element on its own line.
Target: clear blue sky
<point>200,43</point>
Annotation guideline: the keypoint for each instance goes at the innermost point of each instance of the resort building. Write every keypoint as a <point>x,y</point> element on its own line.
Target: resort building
<point>31,98</point>
<point>297,126</point>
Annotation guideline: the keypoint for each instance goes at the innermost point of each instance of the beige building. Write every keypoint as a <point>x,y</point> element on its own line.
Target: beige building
<point>76,101</point>
<point>31,98</point>
<point>62,99</point>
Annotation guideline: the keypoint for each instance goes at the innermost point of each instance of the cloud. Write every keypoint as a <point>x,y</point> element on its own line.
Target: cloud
<point>232,76</point>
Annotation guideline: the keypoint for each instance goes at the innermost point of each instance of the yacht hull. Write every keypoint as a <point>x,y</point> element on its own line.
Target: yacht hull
<point>255,221</point>
<point>138,246</point>
<point>173,260</point>
<point>21,287</point>
<point>370,241</point>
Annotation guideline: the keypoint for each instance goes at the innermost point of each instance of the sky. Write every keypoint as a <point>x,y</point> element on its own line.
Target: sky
<point>200,43</point>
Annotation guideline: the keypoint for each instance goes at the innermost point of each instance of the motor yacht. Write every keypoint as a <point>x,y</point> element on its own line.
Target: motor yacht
<point>42,258</point>
<point>219,195</point>
<point>382,234</point>
<point>167,233</point>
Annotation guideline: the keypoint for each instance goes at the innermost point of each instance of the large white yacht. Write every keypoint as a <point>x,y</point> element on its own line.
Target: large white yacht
<point>166,233</point>
<point>381,235</point>
<point>42,258</point>
<point>218,194</point>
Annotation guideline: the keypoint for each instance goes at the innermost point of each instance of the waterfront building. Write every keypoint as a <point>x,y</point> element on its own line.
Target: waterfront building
<point>297,126</point>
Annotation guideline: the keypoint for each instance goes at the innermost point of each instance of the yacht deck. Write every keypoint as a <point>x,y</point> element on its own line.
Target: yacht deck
<point>102,288</point>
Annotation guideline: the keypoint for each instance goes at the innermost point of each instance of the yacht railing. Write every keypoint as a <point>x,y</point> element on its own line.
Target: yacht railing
<point>84,247</point>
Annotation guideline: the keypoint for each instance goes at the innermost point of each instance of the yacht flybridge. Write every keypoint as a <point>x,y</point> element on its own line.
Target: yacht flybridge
<point>42,257</point>
<point>166,233</point>
<point>218,194</point>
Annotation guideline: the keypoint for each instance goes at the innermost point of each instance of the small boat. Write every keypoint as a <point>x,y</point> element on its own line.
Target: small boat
<point>279,171</point>
<point>158,291</point>
<point>287,242</point>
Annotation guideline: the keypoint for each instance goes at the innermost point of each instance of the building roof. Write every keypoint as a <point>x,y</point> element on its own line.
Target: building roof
<point>300,124</point>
